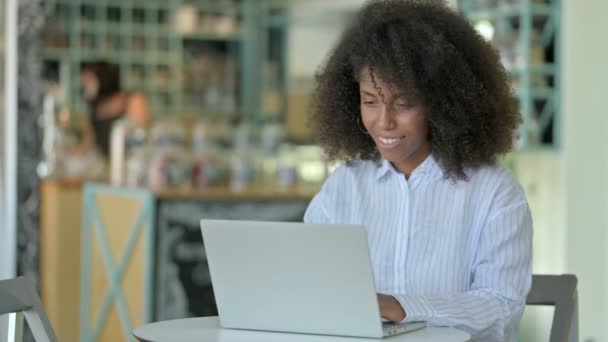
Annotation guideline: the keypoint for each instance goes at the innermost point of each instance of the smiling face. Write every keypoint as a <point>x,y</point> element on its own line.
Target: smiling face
<point>397,126</point>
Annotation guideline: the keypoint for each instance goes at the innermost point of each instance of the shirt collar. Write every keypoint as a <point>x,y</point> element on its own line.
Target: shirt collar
<point>428,166</point>
<point>384,167</point>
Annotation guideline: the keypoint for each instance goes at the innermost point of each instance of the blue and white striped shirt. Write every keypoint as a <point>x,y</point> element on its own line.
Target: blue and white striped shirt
<point>453,254</point>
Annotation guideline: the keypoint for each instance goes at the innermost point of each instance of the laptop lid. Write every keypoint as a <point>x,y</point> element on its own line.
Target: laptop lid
<point>292,277</point>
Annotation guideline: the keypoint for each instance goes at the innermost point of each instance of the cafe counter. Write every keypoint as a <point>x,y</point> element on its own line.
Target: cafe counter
<point>113,258</point>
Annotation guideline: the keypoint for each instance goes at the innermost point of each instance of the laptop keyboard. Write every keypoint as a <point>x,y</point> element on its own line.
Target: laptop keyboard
<point>390,328</point>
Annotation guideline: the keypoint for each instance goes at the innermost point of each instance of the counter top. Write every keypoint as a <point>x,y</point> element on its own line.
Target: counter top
<point>254,192</point>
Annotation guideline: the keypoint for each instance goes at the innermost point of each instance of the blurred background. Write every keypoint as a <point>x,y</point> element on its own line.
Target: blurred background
<point>227,87</point>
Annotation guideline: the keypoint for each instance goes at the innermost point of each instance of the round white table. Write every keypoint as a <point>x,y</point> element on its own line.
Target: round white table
<point>208,329</point>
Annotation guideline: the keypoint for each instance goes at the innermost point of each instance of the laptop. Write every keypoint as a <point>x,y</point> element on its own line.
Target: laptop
<point>295,277</point>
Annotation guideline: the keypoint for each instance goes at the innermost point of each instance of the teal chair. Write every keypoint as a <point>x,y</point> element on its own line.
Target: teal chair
<point>559,291</point>
<point>19,298</point>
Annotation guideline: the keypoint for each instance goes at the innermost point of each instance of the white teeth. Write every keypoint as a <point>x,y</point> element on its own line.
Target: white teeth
<point>389,141</point>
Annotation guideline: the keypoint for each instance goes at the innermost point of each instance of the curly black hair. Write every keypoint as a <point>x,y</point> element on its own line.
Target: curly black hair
<point>433,55</point>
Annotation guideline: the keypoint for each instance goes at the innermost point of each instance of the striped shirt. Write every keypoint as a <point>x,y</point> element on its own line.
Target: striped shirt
<point>453,254</point>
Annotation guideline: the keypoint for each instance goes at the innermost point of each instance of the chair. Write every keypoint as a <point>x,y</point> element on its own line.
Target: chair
<point>19,298</point>
<point>559,291</point>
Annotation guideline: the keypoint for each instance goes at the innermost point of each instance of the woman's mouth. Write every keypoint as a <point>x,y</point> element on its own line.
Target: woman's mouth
<point>389,142</point>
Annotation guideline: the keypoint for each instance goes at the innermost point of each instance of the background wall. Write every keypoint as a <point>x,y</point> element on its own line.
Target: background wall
<point>315,28</point>
<point>541,175</point>
<point>585,159</point>
<point>568,189</point>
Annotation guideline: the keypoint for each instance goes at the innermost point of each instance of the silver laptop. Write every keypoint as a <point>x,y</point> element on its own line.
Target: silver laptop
<point>295,277</point>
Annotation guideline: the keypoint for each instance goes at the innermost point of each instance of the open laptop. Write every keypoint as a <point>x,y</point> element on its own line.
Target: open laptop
<point>295,277</point>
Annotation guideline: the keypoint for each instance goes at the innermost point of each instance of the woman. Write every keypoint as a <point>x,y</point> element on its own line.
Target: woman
<point>108,103</point>
<point>418,106</point>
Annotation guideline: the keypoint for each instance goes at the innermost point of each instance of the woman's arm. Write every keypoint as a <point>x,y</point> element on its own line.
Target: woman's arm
<point>137,108</point>
<point>321,209</point>
<point>501,275</point>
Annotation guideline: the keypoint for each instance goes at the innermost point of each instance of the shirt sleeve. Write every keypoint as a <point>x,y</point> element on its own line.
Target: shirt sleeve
<point>501,279</point>
<point>321,209</point>
<point>317,210</point>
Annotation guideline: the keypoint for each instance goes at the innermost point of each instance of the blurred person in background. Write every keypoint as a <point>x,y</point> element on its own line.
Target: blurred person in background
<point>418,106</point>
<point>107,104</point>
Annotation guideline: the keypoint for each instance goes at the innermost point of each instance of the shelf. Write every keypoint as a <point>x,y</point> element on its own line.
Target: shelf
<point>214,7</point>
<point>203,110</point>
<point>50,53</point>
<point>508,11</point>
<point>119,3</point>
<point>545,69</point>
<point>120,55</point>
<point>142,37</point>
<point>210,36</point>
<point>144,55</point>
<point>536,149</point>
<point>536,86</point>
<point>117,28</point>
<point>153,88</point>
<point>544,93</point>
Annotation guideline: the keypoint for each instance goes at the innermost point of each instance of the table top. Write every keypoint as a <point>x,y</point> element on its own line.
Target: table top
<point>207,329</point>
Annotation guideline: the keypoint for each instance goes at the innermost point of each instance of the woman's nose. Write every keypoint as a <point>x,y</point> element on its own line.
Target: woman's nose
<point>387,119</point>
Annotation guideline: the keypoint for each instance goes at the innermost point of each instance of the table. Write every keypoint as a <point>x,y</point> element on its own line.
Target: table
<point>207,329</point>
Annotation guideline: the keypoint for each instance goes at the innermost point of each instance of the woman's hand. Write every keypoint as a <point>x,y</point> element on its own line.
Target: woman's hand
<point>390,308</point>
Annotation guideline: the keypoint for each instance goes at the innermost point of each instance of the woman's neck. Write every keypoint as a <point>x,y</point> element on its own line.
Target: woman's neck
<point>407,166</point>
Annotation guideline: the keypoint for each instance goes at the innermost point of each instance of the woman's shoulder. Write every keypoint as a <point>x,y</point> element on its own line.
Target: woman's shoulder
<point>495,171</point>
<point>352,173</point>
<point>355,169</point>
<point>496,180</point>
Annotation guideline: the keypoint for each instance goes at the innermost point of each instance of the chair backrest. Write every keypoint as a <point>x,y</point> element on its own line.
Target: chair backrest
<point>19,297</point>
<point>559,291</point>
